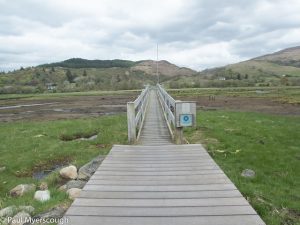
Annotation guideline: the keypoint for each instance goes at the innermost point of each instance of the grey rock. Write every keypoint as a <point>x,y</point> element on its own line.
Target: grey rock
<point>20,218</point>
<point>63,188</point>
<point>8,211</point>
<point>75,184</point>
<point>94,137</point>
<point>42,196</point>
<point>56,212</point>
<point>26,208</point>
<point>86,171</point>
<point>4,221</point>
<point>2,168</point>
<point>43,186</point>
<point>248,173</point>
<point>69,172</point>
<point>21,189</point>
<point>73,193</point>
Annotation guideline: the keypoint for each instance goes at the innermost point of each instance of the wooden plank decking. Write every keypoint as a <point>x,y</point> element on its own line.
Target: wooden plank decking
<point>159,183</point>
<point>155,130</point>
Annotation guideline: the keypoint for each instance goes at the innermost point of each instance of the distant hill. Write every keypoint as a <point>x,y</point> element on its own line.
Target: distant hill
<point>78,74</point>
<point>286,57</point>
<point>276,69</point>
<point>164,68</point>
<point>85,63</point>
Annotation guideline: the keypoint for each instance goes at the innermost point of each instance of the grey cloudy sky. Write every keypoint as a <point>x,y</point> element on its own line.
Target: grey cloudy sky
<point>195,33</point>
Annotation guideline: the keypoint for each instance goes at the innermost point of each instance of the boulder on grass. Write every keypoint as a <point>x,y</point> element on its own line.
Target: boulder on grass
<point>73,193</point>
<point>26,208</point>
<point>21,189</point>
<point>69,172</point>
<point>8,211</point>
<point>43,186</point>
<point>20,219</point>
<point>56,213</point>
<point>248,173</point>
<point>42,196</point>
<point>63,188</point>
<point>2,168</point>
<point>75,184</point>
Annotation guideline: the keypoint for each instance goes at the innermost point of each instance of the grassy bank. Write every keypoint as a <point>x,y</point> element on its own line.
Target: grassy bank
<point>28,147</point>
<point>267,144</point>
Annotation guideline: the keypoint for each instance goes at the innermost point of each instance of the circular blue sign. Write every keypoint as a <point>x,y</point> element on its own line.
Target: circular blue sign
<point>186,118</point>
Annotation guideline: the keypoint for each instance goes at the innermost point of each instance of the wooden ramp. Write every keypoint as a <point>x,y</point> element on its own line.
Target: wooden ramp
<point>158,183</point>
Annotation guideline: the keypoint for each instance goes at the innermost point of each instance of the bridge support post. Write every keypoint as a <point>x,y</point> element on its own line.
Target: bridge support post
<point>131,122</point>
<point>178,134</point>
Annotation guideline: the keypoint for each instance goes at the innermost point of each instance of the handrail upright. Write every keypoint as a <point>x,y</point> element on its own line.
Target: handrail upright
<point>136,111</point>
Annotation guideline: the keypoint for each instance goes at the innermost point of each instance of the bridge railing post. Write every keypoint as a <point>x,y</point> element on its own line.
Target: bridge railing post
<point>131,122</point>
<point>136,114</point>
<point>178,133</point>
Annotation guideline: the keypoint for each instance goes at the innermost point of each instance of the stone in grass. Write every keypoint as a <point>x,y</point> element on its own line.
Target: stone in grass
<point>63,188</point>
<point>42,196</point>
<point>8,211</point>
<point>43,186</point>
<point>20,218</point>
<point>26,208</point>
<point>86,171</point>
<point>2,168</point>
<point>248,173</point>
<point>69,172</point>
<point>56,213</point>
<point>21,189</point>
<point>4,221</point>
<point>75,184</point>
<point>73,193</point>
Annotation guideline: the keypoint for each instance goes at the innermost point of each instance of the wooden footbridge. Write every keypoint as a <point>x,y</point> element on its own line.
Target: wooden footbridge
<point>155,182</point>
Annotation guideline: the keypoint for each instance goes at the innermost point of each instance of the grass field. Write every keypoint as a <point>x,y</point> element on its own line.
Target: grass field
<point>267,144</point>
<point>28,147</point>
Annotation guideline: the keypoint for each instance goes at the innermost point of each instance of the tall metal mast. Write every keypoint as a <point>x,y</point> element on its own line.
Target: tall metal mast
<point>157,63</point>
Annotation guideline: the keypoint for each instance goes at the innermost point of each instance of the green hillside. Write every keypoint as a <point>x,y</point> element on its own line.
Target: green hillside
<point>59,79</point>
<point>84,63</point>
<point>85,75</point>
<point>278,69</point>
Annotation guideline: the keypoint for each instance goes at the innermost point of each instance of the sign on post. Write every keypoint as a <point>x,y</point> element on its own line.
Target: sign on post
<point>185,114</point>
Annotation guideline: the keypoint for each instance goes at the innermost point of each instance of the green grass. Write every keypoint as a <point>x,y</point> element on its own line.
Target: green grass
<point>30,146</point>
<point>267,144</point>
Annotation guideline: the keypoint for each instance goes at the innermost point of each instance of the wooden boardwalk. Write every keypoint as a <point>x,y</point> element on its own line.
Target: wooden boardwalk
<point>155,130</point>
<point>159,183</point>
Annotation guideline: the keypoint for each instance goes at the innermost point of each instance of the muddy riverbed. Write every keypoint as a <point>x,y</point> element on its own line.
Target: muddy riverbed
<point>93,106</point>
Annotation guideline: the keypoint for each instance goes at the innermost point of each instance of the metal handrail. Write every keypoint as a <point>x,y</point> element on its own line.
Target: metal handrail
<point>168,104</point>
<point>136,111</point>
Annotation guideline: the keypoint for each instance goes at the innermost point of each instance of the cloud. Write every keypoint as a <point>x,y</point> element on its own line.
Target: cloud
<point>191,33</point>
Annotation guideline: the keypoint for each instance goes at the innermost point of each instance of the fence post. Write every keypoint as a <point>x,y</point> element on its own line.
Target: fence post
<point>131,122</point>
<point>178,134</point>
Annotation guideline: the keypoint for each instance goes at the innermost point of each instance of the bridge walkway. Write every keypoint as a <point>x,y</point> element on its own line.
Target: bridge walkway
<point>159,183</point>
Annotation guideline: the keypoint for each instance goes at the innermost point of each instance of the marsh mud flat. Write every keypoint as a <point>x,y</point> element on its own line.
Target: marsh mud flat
<point>246,104</point>
<point>91,106</point>
<point>62,108</point>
